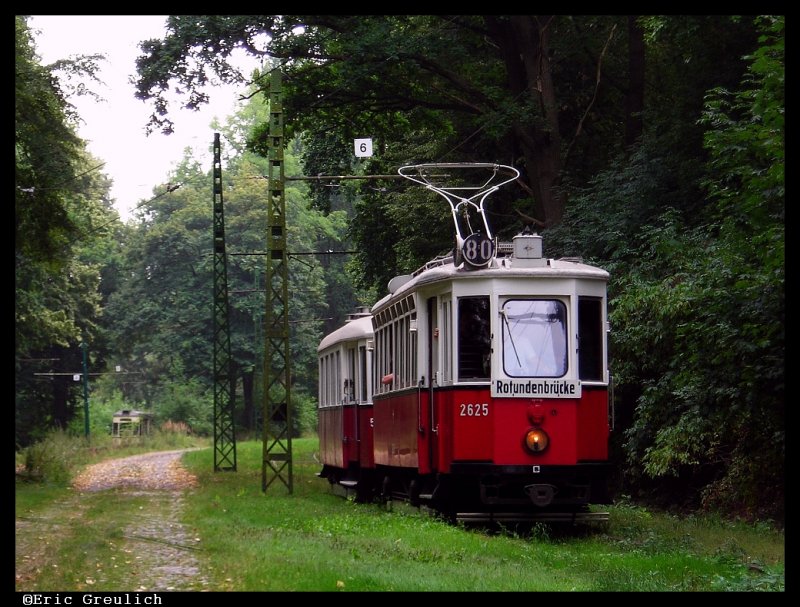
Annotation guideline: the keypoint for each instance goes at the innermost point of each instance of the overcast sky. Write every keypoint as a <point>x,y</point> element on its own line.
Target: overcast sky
<point>115,128</point>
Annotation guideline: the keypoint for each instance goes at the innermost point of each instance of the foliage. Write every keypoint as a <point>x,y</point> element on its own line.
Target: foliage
<point>696,255</point>
<point>526,90</point>
<point>52,459</point>
<point>46,150</point>
<point>186,401</point>
<point>701,319</point>
<point>63,217</point>
<point>104,400</point>
<point>304,408</point>
<point>161,315</point>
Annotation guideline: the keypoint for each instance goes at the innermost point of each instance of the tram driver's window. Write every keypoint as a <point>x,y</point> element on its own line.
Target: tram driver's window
<point>534,338</point>
<point>474,338</point>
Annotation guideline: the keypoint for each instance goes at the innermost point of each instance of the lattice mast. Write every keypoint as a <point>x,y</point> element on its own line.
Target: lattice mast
<point>224,377</point>
<point>277,418</point>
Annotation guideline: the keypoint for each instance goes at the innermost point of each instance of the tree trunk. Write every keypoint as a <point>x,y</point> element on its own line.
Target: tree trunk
<point>248,412</point>
<point>634,99</point>
<point>526,52</point>
<point>60,400</point>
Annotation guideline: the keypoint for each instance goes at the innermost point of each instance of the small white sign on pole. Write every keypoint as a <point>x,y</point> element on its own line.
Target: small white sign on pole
<point>363,147</point>
<point>76,377</point>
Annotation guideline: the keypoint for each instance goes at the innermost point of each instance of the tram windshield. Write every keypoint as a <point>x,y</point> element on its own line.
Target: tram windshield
<point>534,338</point>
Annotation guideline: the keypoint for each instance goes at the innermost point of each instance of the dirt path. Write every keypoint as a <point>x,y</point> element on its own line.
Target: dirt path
<point>160,471</point>
<point>150,549</point>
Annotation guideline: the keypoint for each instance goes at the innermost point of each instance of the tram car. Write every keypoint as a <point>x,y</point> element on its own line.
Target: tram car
<point>128,423</point>
<point>478,386</point>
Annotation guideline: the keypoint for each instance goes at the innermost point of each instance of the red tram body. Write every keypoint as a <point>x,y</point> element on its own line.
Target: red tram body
<point>478,386</point>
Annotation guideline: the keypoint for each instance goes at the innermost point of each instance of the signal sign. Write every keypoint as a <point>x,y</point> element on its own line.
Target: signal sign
<point>363,147</point>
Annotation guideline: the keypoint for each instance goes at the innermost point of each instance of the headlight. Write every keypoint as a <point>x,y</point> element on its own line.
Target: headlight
<point>536,440</point>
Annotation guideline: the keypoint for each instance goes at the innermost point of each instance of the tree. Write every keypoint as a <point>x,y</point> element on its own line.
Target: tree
<point>701,319</point>
<point>62,212</point>
<point>47,151</point>
<point>161,315</point>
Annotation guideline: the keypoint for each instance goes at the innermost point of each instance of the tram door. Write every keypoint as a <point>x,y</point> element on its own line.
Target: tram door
<point>434,375</point>
<point>350,434</point>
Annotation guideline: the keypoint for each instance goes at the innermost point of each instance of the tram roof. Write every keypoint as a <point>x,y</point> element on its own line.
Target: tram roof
<point>555,268</point>
<point>132,413</point>
<point>358,328</point>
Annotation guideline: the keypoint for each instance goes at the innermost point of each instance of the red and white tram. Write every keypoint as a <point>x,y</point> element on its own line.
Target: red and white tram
<point>479,385</point>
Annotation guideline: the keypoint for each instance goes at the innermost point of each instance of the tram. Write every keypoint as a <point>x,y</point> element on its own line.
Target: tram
<point>478,385</point>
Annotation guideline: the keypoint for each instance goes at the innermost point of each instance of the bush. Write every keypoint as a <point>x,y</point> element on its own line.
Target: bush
<point>190,403</point>
<point>53,458</point>
<point>305,414</point>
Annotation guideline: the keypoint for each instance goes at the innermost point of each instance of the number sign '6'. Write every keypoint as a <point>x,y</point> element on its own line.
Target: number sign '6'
<point>363,147</point>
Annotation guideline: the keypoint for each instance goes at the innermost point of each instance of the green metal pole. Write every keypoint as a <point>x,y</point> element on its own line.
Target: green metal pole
<point>85,347</point>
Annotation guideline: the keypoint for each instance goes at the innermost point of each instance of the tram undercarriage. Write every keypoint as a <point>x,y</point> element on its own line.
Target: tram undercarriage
<point>484,498</point>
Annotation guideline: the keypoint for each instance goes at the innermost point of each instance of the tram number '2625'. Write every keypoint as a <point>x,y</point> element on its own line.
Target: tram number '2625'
<point>474,410</point>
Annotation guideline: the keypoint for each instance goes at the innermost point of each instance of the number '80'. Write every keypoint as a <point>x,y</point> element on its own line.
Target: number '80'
<point>478,249</point>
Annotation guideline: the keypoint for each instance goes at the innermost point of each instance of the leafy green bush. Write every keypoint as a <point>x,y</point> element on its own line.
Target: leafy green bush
<point>696,299</point>
<point>305,414</point>
<point>189,402</point>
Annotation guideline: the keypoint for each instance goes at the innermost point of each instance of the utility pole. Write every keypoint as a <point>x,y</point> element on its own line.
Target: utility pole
<point>277,419</point>
<point>85,347</point>
<point>224,378</point>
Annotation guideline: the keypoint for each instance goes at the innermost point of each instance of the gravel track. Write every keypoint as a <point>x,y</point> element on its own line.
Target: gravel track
<point>160,552</point>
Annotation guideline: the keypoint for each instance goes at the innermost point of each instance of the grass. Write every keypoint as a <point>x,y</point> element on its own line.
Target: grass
<point>316,541</point>
<point>313,540</point>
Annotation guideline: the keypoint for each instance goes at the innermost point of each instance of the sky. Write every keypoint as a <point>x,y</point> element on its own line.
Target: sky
<point>115,128</point>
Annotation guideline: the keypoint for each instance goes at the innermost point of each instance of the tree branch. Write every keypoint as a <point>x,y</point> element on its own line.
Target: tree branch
<point>452,77</point>
<point>594,97</point>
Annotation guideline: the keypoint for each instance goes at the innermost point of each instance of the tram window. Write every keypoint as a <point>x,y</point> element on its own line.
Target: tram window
<point>590,339</point>
<point>362,373</point>
<point>534,338</point>
<point>321,385</point>
<point>384,367</point>
<point>328,371</point>
<point>350,380</point>
<point>391,356</point>
<point>446,340</point>
<point>337,378</point>
<point>474,338</point>
<point>323,381</point>
<point>401,358</point>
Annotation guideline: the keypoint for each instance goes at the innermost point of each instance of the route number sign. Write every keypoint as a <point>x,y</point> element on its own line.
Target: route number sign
<point>478,250</point>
